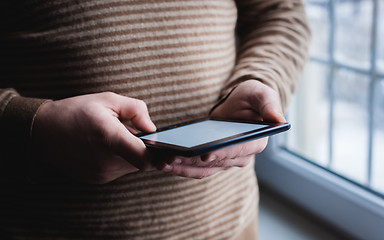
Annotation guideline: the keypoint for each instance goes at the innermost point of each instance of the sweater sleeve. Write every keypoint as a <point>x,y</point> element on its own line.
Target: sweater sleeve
<point>16,118</point>
<point>273,38</point>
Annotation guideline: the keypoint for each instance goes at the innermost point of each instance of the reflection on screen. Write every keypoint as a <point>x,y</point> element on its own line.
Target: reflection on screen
<point>201,132</point>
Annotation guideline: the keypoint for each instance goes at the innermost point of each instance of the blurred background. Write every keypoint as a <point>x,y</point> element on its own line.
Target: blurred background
<point>330,165</point>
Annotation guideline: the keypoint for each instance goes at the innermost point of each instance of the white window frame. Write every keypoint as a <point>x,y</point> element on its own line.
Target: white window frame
<point>341,203</point>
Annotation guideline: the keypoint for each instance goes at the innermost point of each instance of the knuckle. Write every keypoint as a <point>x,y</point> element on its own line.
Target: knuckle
<point>108,95</point>
<point>220,163</point>
<point>194,161</point>
<point>212,164</point>
<point>140,104</point>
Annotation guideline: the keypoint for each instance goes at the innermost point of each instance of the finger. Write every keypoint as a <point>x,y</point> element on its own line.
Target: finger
<point>191,171</point>
<point>267,102</point>
<point>237,156</point>
<point>237,151</point>
<point>272,112</point>
<point>220,163</point>
<point>136,111</point>
<point>183,160</point>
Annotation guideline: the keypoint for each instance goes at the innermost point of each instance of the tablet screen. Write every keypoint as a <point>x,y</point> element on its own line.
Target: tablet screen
<point>200,133</point>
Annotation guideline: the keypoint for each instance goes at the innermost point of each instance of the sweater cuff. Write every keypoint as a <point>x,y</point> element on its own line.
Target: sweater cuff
<point>18,116</point>
<point>15,124</point>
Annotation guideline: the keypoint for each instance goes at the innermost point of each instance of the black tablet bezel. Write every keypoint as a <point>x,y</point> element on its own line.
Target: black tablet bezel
<point>269,129</point>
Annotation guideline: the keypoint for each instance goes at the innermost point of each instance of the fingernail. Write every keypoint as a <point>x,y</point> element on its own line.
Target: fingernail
<point>167,168</point>
<point>152,126</point>
<point>212,158</point>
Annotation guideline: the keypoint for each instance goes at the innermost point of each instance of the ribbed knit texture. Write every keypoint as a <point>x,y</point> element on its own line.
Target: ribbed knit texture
<point>177,56</point>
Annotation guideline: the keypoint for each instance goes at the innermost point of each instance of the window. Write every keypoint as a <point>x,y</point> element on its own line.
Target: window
<point>338,113</point>
<point>337,116</point>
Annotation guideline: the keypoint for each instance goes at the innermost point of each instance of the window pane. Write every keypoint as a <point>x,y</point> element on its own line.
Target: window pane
<point>350,128</point>
<point>380,37</point>
<point>353,32</point>
<point>309,116</point>
<point>331,111</point>
<point>318,15</point>
<point>378,139</point>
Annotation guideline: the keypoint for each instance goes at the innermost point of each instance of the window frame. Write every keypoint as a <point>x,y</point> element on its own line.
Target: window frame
<point>343,204</point>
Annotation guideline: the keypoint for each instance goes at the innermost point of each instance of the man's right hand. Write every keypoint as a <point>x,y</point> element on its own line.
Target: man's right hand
<point>86,139</point>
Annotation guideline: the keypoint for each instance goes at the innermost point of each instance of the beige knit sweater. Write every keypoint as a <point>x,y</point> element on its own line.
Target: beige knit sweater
<point>180,57</point>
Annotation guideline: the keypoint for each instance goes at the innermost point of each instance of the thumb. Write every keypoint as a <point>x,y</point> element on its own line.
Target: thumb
<point>273,114</point>
<point>268,103</point>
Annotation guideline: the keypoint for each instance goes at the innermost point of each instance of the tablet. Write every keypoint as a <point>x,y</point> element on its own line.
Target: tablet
<point>206,135</point>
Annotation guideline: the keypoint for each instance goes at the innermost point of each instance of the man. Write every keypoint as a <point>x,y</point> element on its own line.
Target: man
<point>78,77</point>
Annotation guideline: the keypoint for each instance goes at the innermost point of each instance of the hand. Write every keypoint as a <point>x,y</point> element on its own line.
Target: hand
<point>85,138</point>
<point>251,100</point>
